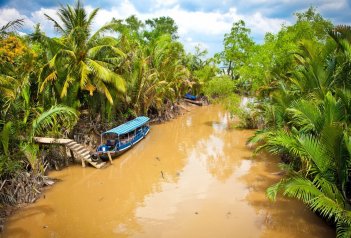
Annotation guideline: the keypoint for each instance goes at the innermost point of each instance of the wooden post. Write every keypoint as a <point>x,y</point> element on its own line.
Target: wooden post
<point>72,155</point>
<point>83,162</point>
<point>109,156</point>
<point>64,152</point>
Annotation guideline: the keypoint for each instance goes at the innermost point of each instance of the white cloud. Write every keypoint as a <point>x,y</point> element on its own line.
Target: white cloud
<point>194,27</point>
<point>260,25</point>
<point>46,25</point>
<point>10,14</point>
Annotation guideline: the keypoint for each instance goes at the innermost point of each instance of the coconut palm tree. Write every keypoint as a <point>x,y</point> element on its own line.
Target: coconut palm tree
<point>168,59</point>
<point>83,61</point>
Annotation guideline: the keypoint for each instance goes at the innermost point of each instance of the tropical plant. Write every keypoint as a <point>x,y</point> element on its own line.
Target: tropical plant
<point>219,87</point>
<point>312,133</point>
<point>83,62</point>
<point>237,47</point>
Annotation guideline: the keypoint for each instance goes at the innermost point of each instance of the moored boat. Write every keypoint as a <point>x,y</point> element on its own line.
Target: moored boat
<point>193,99</point>
<point>123,137</point>
<point>190,97</point>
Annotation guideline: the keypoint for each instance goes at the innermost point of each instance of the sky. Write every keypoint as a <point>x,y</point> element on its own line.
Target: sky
<point>200,22</point>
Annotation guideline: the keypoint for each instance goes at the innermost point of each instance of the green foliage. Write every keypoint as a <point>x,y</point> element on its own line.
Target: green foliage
<point>310,98</point>
<point>31,151</point>
<point>219,87</point>
<point>57,116</point>
<point>276,57</point>
<point>5,135</point>
<point>160,26</point>
<point>237,47</point>
<point>81,59</point>
<point>9,167</point>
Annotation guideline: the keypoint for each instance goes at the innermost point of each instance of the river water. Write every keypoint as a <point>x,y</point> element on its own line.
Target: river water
<point>190,177</point>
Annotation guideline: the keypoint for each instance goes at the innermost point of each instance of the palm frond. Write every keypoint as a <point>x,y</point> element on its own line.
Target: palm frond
<point>301,188</point>
<point>102,88</point>
<point>100,71</point>
<point>92,15</point>
<point>280,142</point>
<point>69,80</point>
<point>104,49</point>
<point>305,115</point>
<point>311,148</point>
<point>11,26</point>
<point>112,26</point>
<point>64,115</point>
<point>118,83</point>
<point>343,230</point>
<point>31,150</point>
<point>57,26</point>
<point>273,190</point>
<point>333,111</point>
<point>84,74</point>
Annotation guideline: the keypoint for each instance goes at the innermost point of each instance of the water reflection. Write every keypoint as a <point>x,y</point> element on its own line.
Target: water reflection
<point>285,217</point>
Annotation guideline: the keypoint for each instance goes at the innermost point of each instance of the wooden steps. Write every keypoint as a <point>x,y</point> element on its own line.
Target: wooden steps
<point>80,151</point>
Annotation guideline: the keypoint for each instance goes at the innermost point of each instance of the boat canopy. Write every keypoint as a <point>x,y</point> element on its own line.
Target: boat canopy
<point>128,126</point>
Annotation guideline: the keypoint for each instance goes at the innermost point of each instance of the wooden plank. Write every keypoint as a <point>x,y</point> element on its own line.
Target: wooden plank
<point>46,140</point>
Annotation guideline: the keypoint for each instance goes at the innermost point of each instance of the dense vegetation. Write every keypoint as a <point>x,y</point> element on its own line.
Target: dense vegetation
<point>298,80</point>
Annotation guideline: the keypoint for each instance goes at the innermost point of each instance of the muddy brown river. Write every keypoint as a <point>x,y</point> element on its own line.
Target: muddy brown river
<point>190,177</point>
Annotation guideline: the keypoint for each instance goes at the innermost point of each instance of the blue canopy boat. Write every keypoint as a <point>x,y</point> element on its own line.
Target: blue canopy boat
<point>123,137</point>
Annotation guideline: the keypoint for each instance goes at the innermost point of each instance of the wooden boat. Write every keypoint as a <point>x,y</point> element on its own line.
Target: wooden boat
<point>123,137</point>
<point>192,99</point>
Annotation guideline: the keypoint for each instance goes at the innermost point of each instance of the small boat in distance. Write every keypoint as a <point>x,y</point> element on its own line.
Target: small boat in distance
<point>123,137</point>
<point>192,99</point>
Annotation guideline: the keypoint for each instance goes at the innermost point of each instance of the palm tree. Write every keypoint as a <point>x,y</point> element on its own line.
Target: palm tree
<point>342,58</point>
<point>83,61</point>
<point>168,60</point>
<point>315,75</point>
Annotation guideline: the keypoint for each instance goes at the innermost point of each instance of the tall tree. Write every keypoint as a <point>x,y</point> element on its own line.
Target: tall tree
<point>160,26</point>
<point>83,61</point>
<point>237,47</point>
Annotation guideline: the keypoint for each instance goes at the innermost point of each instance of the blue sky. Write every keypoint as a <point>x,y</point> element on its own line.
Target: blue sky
<point>200,22</point>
